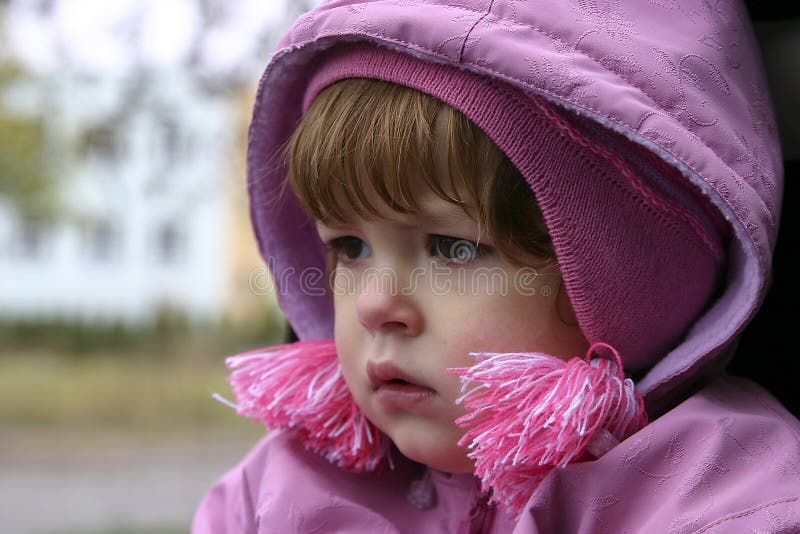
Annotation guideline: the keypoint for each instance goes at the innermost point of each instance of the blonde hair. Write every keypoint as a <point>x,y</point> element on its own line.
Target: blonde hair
<point>364,135</point>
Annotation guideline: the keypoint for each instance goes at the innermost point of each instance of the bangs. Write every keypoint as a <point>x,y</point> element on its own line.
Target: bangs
<point>364,135</point>
<point>365,139</point>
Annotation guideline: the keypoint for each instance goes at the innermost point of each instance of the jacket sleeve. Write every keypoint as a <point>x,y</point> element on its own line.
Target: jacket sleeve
<point>781,516</point>
<point>230,506</point>
<point>280,487</point>
<point>725,460</point>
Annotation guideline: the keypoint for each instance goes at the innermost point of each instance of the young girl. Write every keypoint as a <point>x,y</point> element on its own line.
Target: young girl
<point>518,241</point>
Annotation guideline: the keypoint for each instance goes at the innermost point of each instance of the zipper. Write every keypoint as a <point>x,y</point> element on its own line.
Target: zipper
<point>481,516</point>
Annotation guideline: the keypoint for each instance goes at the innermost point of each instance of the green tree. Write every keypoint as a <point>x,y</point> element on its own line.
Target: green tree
<point>25,177</point>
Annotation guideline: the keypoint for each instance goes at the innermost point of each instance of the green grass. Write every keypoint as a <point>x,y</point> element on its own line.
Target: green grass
<point>139,393</point>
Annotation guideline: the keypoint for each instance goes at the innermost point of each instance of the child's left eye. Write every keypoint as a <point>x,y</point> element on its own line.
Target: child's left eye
<point>454,249</point>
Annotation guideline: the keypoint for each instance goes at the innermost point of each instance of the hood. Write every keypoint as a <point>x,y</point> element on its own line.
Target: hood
<point>691,92</point>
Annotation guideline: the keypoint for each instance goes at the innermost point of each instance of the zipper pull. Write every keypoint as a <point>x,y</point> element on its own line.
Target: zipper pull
<point>481,515</point>
<point>422,492</point>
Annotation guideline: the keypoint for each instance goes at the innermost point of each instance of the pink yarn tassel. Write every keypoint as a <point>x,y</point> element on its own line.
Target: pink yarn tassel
<point>530,413</point>
<point>299,386</point>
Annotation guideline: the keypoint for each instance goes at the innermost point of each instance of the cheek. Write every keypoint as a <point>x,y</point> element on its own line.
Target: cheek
<point>345,319</point>
<point>501,324</point>
<point>346,333</point>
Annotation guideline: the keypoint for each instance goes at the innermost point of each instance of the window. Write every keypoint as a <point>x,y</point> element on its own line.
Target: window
<point>32,240</point>
<point>101,241</point>
<point>172,142</point>
<point>170,243</point>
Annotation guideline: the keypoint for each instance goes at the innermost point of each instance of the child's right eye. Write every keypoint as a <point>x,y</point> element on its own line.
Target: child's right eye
<point>349,248</point>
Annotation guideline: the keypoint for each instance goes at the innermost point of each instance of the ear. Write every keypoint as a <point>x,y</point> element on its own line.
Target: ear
<point>565,310</point>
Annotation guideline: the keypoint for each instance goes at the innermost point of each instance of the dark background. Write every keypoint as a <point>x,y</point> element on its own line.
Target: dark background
<point>772,10</point>
<point>766,352</point>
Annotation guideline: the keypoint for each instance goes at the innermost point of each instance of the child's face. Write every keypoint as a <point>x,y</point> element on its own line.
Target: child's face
<point>405,311</point>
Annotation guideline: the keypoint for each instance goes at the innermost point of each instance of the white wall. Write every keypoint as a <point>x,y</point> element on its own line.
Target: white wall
<point>137,191</point>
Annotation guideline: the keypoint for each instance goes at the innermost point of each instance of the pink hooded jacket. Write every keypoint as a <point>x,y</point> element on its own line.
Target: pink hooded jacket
<point>681,79</point>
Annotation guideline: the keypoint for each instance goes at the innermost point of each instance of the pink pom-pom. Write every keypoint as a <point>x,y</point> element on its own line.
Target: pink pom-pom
<point>299,386</point>
<point>530,413</point>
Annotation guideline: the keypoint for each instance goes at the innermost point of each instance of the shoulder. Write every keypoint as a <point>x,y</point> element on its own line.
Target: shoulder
<point>231,504</point>
<point>726,458</point>
<point>280,487</point>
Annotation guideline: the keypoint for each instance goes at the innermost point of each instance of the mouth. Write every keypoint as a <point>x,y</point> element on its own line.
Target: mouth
<point>387,374</point>
<point>399,387</point>
<point>387,377</point>
<point>398,382</point>
<point>396,390</point>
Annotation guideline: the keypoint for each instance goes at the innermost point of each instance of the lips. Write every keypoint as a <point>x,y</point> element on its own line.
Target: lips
<point>395,390</point>
<point>386,373</point>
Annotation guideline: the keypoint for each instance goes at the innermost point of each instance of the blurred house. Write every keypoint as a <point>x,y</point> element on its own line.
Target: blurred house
<point>146,162</point>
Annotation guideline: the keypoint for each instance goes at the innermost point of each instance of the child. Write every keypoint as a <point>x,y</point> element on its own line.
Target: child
<point>518,243</point>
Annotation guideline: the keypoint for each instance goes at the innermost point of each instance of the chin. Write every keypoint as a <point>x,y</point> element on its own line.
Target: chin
<point>452,460</point>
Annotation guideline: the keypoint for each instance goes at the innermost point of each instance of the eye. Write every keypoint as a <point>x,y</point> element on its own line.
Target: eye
<point>349,248</point>
<point>454,249</point>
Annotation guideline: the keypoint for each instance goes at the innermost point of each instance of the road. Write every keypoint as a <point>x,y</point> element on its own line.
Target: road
<point>96,483</point>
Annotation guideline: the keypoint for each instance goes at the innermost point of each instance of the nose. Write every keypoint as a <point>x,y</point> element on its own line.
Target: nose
<point>381,308</point>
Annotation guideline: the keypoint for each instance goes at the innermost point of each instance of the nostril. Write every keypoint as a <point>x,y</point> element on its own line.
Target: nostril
<point>389,315</point>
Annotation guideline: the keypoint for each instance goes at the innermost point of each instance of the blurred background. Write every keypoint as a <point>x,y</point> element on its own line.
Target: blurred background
<point>128,269</point>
